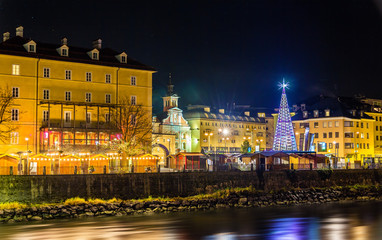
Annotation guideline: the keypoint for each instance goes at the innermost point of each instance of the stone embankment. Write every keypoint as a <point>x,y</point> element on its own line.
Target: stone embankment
<point>229,198</point>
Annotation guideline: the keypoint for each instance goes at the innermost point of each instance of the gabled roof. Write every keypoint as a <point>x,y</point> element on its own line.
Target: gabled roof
<point>14,46</point>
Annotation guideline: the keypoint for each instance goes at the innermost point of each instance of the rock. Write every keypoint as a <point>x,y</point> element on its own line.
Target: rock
<point>243,201</point>
<point>36,218</point>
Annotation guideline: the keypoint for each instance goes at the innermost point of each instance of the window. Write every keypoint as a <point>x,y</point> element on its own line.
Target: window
<point>324,135</point>
<point>362,135</point>
<point>15,69</point>
<point>88,97</point>
<point>330,124</point>
<point>361,124</point>
<point>376,128</point>
<point>88,77</point>
<point>123,59</point>
<point>349,135</point>
<point>315,135</point>
<point>108,98</point>
<point>330,135</point>
<point>46,73</point>
<point>321,147</point>
<point>95,55</point>
<point>133,100</point>
<point>376,138</point>
<point>367,146</point>
<point>64,52</point>
<point>14,138</point>
<point>367,135</point>
<point>68,117</point>
<point>315,113</point>
<point>108,78</point>
<point>337,134</point>
<point>134,122</point>
<point>46,94</point>
<point>324,124</point>
<point>305,114</point>
<point>68,96</point>
<point>107,117</point>
<point>68,74</point>
<point>88,117</point>
<point>133,80</point>
<point>349,145</point>
<point>315,124</point>
<point>32,48</point>
<point>45,115</point>
<point>15,115</point>
<point>348,124</point>
<point>330,145</point>
<point>336,123</point>
<point>15,92</point>
<point>327,113</point>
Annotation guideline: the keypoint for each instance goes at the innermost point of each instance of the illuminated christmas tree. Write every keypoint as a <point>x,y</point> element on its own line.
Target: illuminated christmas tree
<point>284,139</point>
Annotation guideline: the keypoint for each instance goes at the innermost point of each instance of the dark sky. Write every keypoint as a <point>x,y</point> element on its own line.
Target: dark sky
<point>221,52</point>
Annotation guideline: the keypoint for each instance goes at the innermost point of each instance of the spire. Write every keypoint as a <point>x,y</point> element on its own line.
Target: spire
<point>170,86</point>
<point>284,139</point>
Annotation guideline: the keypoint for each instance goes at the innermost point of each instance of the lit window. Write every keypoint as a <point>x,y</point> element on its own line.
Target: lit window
<point>68,96</point>
<point>46,72</point>
<point>327,113</point>
<point>68,74</point>
<point>15,115</point>
<point>88,76</point>
<point>315,113</point>
<point>315,124</point>
<point>107,98</point>
<point>88,97</point>
<point>324,124</point>
<point>14,138</point>
<point>45,115</point>
<point>133,100</point>
<point>330,124</point>
<point>15,69</point>
<point>46,94</point>
<point>108,78</point>
<point>133,80</point>
<point>305,114</point>
<point>15,92</point>
<point>336,123</point>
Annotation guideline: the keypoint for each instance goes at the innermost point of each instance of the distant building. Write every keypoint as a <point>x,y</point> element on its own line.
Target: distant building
<point>171,132</point>
<point>216,131</point>
<point>345,128</point>
<point>64,94</point>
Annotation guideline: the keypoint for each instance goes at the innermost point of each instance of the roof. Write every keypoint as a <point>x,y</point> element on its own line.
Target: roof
<point>14,46</point>
<point>338,106</point>
<point>200,113</point>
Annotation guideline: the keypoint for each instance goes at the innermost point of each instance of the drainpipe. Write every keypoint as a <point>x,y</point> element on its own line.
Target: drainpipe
<point>36,109</point>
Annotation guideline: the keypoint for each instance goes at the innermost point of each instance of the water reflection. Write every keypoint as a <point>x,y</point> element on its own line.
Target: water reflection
<point>334,221</point>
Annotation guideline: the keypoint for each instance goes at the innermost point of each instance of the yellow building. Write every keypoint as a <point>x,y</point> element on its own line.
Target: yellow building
<point>337,127</point>
<point>64,95</point>
<point>224,133</point>
<point>375,111</point>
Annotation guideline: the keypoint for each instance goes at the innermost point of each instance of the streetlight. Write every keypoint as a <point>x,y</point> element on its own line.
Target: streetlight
<point>27,139</point>
<point>209,140</point>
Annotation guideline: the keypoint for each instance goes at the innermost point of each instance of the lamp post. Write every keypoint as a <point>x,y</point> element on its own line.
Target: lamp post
<point>225,133</point>
<point>209,140</point>
<point>27,167</point>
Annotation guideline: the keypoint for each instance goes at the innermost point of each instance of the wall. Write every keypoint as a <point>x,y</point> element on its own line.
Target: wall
<point>128,186</point>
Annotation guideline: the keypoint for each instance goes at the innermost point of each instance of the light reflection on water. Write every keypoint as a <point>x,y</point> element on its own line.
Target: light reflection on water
<point>331,221</point>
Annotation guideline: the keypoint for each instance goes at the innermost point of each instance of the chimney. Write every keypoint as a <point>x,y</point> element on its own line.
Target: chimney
<point>64,41</point>
<point>221,111</point>
<point>6,36</point>
<point>20,31</point>
<point>97,44</point>
<point>246,113</point>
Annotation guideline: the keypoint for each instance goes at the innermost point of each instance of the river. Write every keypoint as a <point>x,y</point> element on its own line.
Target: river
<point>362,220</point>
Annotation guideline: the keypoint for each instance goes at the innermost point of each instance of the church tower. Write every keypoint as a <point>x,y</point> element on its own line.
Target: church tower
<point>171,99</point>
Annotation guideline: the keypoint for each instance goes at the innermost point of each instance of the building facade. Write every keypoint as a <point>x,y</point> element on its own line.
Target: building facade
<point>171,132</point>
<point>218,132</point>
<point>338,127</point>
<point>64,95</point>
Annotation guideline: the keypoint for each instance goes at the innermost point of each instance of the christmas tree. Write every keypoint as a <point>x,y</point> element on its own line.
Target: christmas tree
<point>284,139</point>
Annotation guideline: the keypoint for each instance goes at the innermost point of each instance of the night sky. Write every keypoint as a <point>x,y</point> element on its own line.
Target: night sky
<point>222,52</point>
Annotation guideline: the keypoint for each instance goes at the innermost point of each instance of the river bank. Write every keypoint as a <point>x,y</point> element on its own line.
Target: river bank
<point>227,198</point>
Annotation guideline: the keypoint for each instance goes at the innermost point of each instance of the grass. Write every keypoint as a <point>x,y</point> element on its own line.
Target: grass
<point>218,194</point>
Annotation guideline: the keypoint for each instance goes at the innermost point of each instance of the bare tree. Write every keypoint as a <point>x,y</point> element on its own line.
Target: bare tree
<point>6,123</point>
<point>135,124</point>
